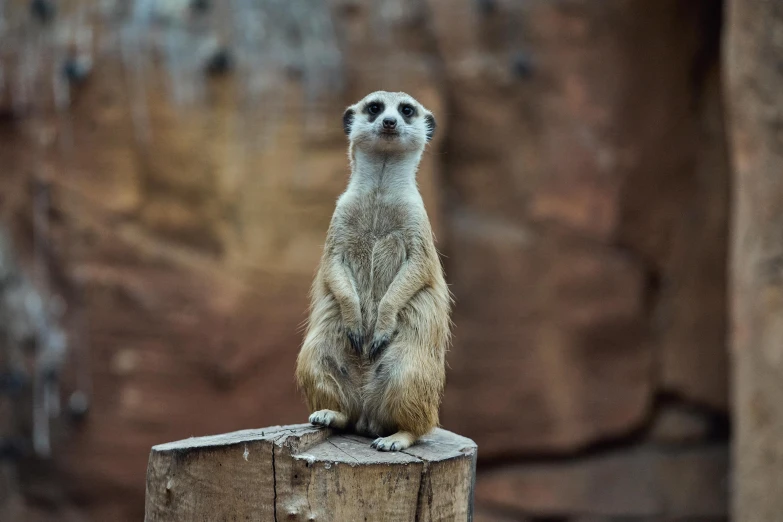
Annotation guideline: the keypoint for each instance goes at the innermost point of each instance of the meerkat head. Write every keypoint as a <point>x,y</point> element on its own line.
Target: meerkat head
<point>388,122</point>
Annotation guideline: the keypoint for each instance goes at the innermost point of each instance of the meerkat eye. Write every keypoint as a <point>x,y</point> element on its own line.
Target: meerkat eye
<point>374,108</point>
<point>407,110</point>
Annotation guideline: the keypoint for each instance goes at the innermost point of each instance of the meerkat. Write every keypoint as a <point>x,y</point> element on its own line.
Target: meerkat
<point>373,356</point>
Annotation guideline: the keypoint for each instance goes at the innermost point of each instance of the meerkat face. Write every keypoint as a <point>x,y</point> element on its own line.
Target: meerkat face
<point>389,122</point>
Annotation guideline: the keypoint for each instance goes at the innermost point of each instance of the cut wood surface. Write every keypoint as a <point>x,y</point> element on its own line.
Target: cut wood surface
<point>301,472</point>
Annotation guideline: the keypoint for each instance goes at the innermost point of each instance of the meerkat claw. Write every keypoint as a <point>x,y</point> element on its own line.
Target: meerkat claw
<point>378,346</point>
<point>357,340</point>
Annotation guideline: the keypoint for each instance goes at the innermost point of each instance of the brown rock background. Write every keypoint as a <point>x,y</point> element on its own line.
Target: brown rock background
<point>755,107</point>
<point>579,188</point>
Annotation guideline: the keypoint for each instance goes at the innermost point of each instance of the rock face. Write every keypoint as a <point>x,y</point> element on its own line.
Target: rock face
<point>756,109</point>
<point>578,186</point>
<point>570,232</point>
<point>642,483</point>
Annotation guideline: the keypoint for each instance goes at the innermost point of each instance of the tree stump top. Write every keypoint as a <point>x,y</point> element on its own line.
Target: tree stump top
<point>301,472</point>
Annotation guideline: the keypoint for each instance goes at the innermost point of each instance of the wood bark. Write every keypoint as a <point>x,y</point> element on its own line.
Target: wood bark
<point>754,73</point>
<point>301,472</point>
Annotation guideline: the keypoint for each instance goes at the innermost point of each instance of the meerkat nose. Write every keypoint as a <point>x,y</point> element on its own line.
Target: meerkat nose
<point>389,123</point>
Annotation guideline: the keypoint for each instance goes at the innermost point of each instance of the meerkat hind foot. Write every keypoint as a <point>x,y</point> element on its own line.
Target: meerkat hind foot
<point>397,442</point>
<point>329,419</point>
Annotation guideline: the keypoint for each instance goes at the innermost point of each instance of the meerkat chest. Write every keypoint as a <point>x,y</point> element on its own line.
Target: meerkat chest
<point>373,223</point>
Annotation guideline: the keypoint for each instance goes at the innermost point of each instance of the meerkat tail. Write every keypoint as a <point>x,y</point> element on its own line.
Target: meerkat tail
<point>329,419</point>
<point>397,442</point>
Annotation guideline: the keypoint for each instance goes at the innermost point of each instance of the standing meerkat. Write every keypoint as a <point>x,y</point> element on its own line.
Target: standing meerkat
<point>373,356</point>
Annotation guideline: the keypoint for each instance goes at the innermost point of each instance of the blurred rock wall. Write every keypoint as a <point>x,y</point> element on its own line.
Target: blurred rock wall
<point>578,186</point>
<point>755,108</point>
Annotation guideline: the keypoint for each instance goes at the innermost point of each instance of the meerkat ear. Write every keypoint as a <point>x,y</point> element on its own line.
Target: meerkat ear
<point>429,119</point>
<point>348,120</point>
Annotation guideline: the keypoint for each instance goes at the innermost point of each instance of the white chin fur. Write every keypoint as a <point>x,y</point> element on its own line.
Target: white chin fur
<point>387,142</point>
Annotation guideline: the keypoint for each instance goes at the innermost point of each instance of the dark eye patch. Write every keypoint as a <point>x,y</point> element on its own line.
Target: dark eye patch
<point>407,111</point>
<point>373,110</point>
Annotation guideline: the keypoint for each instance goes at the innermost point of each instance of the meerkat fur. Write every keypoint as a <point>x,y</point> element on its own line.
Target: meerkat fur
<point>373,355</point>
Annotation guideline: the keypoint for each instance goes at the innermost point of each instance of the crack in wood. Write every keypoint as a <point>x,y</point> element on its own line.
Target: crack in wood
<point>419,500</point>
<point>274,482</point>
<point>342,451</point>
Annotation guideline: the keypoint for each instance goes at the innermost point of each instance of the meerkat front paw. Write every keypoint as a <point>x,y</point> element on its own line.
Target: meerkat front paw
<point>329,419</point>
<point>356,338</point>
<point>384,331</point>
<point>379,343</point>
<point>397,442</point>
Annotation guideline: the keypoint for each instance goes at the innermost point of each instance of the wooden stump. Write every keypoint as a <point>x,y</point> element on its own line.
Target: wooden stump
<point>301,472</point>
